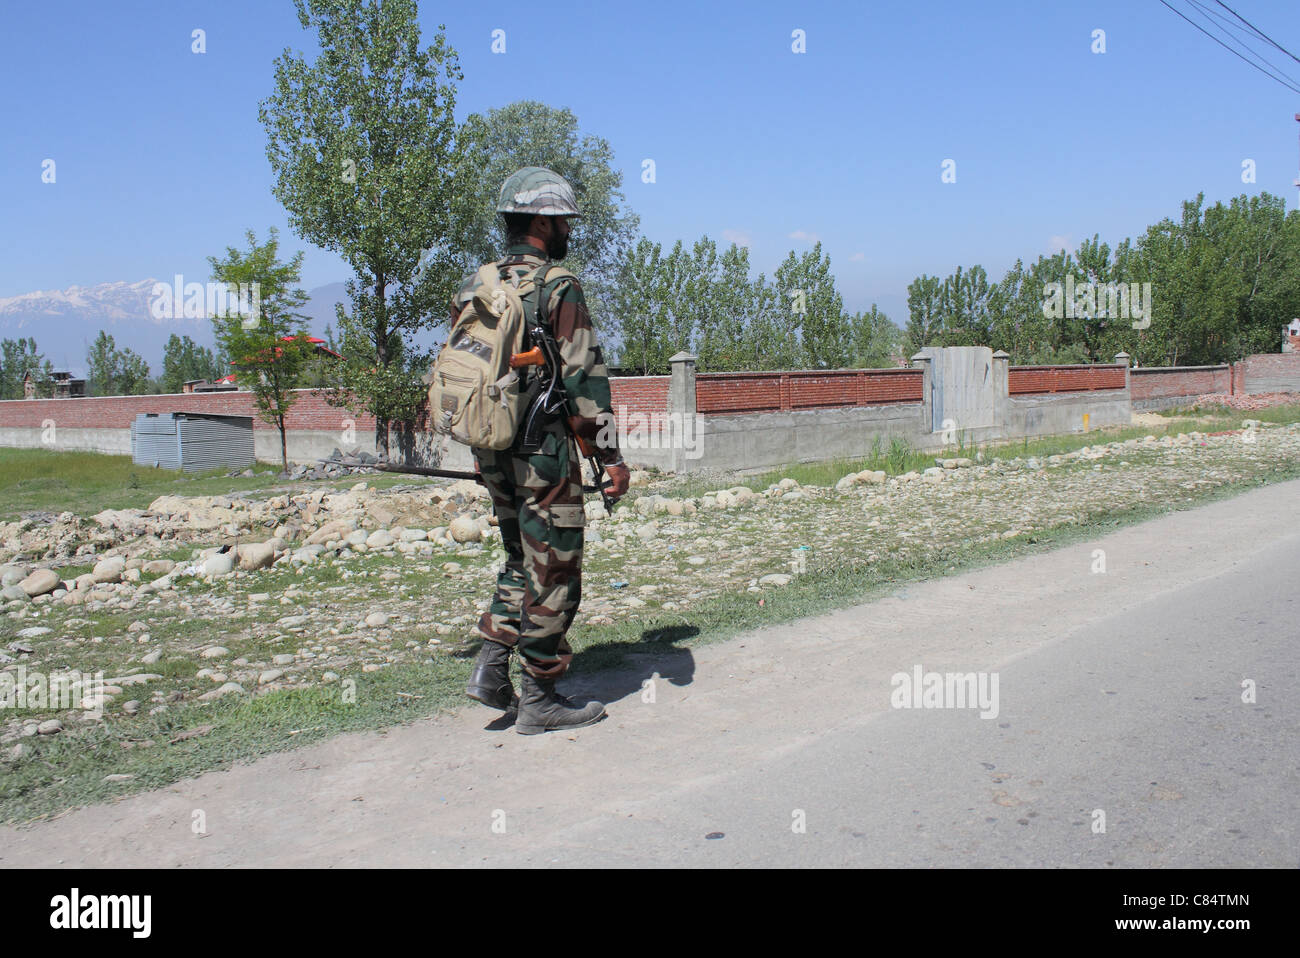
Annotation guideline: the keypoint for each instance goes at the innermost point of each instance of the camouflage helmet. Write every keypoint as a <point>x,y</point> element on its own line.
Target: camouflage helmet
<point>539,191</point>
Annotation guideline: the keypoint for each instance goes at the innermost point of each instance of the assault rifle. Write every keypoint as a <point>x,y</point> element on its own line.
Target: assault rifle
<point>553,399</point>
<point>385,466</point>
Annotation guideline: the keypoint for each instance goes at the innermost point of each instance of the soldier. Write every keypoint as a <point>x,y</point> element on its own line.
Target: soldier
<point>537,496</point>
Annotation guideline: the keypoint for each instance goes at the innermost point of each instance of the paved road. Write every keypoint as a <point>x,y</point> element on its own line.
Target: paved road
<point>1118,693</point>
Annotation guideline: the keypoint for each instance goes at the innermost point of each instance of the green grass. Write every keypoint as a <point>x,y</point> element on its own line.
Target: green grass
<point>1276,414</point>
<point>88,482</point>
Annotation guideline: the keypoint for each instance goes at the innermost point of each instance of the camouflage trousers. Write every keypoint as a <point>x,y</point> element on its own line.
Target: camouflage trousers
<point>539,509</point>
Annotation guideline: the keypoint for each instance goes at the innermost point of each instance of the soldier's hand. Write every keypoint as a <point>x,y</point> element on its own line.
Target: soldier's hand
<point>619,477</point>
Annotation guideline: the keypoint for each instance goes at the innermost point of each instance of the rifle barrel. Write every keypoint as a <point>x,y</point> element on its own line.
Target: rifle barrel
<point>409,470</point>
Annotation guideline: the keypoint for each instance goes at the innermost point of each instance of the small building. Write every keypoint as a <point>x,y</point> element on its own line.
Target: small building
<point>1291,337</point>
<point>65,387</point>
<point>191,441</point>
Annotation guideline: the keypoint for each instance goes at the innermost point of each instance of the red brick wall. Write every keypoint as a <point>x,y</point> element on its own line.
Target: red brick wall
<point>639,394</point>
<point>1160,381</point>
<point>1268,373</point>
<point>724,393</point>
<point>1064,379</point>
<point>118,412</point>
<point>644,394</point>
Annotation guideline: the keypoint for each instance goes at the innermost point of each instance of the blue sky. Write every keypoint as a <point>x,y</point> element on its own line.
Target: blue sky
<point>161,158</point>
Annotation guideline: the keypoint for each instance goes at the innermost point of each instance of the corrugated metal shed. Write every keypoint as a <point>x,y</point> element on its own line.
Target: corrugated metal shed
<point>191,441</point>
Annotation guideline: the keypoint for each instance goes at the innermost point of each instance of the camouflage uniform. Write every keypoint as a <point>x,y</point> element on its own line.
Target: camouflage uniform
<point>538,498</point>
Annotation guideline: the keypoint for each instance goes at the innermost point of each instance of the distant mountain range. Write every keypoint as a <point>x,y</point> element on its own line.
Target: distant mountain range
<point>65,322</point>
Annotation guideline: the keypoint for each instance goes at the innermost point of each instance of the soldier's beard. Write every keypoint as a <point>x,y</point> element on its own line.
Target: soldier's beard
<point>557,247</point>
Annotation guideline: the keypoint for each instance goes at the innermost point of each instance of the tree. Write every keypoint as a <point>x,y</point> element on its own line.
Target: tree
<point>816,310</point>
<point>185,360</point>
<point>640,303</point>
<point>114,372</point>
<point>360,142</point>
<point>873,340</point>
<point>269,364</point>
<point>18,357</point>
<point>925,312</point>
<point>528,133</point>
<point>724,340</point>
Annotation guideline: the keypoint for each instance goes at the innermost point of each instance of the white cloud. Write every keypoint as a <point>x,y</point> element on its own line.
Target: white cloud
<point>806,237</point>
<point>1057,243</point>
<point>858,258</point>
<point>739,237</point>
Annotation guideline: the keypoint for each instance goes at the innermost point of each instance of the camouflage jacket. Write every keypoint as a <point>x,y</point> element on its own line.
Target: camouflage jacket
<point>586,380</point>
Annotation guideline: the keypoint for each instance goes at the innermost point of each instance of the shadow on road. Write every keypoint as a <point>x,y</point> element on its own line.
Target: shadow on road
<point>614,671</point>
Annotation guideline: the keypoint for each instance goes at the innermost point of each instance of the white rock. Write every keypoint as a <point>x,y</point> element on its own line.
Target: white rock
<point>214,652</point>
<point>283,658</point>
<point>269,675</point>
<point>465,529</point>
<point>377,620</point>
<point>217,693</point>
<point>256,555</point>
<point>221,563</point>
<point>379,539</point>
<point>40,582</point>
<point>109,570</point>
<point>775,578</point>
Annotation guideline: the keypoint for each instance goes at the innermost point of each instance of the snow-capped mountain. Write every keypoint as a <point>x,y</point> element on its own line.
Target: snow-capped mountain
<point>66,322</point>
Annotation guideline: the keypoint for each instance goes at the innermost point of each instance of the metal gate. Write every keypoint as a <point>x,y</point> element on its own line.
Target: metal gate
<point>961,386</point>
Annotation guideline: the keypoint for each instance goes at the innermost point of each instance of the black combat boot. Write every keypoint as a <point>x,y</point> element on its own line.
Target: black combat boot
<point>542,709</point>
<point>490,683</point>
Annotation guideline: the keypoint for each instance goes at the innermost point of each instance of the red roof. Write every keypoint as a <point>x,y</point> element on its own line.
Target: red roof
<point>311,339</point>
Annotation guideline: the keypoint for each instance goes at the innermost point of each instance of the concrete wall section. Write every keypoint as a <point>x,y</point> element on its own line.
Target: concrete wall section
<point>1061,413</point>
<point>1271,373</point>
<point>765,440</point>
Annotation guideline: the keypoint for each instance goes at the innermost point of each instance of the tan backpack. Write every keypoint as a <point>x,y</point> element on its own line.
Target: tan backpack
<point>474,395</point>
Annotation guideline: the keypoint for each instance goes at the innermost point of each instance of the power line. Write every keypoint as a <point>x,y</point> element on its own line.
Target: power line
<point>1206,12</point>
<point>1289,86</point>
<point>1258,31</point>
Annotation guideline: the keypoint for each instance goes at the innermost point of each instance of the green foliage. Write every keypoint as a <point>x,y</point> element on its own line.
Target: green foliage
<point>360,141</point>
<point>491,146</point>
<point>185,360</point>
<point>265,362</point>
<point>706,303</point>
<point>1222,283</point>
<point>17,358</point>
<point>817,333</point>
<point>115,372</point>
<point>873,340</point>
